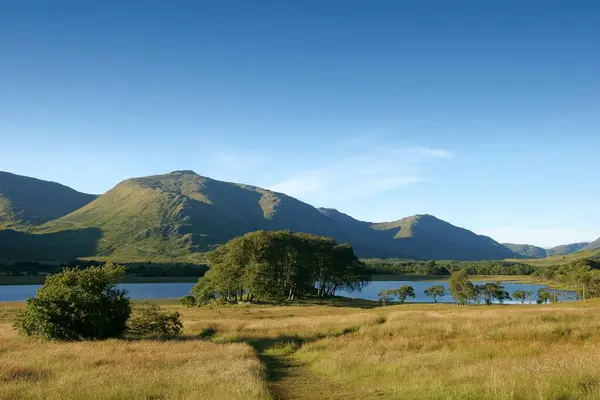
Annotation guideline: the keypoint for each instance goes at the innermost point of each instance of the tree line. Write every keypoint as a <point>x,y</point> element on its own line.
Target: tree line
<point>582,276</point>
<point>463,291</point>
<point>146,269</point>
<point>278,265</point>
<point>431,267</point>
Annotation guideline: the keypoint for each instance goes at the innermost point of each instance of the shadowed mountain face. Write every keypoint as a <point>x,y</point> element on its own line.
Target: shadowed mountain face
<point>529,251</point>
<point>181,214</point>
<point>28,201</point>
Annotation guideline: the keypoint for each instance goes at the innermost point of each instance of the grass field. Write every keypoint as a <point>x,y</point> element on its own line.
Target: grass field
<point>343,351</point>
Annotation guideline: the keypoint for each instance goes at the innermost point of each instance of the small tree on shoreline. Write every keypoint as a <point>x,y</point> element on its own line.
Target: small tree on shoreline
<point>434,292</point>
<point>404,292</point>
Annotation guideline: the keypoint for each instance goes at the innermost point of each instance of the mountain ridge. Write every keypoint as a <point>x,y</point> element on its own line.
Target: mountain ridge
<point>531,251</point>
<point>181,214</point>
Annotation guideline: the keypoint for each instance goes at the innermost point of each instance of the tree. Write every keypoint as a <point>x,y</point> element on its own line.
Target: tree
<point>520,295</point>
<point>78,304</point>
<point>543,296</point>
<point>386,296</point>
<point>478,294</point>
<point>495,291</point>
<point>529,295</point>
<point>461,288</point>
<point>279,265</point>
<point>403,292</point>
<point>150,319</point>
<point>435,291</point>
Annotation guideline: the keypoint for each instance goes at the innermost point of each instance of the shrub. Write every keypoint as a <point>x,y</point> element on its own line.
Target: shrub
<point>188,301</point>
<point>77,305</point>
<point>150,319</point>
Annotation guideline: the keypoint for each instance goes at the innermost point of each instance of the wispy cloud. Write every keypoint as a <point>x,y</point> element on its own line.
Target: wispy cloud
<point>373,172</point>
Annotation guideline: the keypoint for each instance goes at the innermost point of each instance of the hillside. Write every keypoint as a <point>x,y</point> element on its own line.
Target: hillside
<point>428,237</point>
<point>562,259</point>
<point>28,201</point>
<point>594,245</point>
<point>530,251</point>
<point>180,215</point>
<point>527,250</point>
<point>566,249</point>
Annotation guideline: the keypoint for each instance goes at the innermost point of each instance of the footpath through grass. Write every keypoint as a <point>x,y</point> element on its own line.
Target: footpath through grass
<point>347,351</point>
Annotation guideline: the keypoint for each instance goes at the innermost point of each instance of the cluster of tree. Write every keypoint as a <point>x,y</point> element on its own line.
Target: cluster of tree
<point>413,267</point>
<point>465,292</point>
<point>278,265</point>
<point>582,276</point>
<point>82,304</point>
<point>133,269</point>
<point>386,296</point>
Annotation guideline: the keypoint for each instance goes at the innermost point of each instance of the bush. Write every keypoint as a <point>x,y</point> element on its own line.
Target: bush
<point>188,301</point>
<point>150,319</point>
<point>77,305</point>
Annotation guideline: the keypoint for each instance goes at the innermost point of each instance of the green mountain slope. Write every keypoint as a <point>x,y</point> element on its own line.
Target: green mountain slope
<point>527,250</point>
<point>530,251</point>
<point>566,249</point>
<point>28,201</point>
<point>181,214</point>
<point>178,214</point>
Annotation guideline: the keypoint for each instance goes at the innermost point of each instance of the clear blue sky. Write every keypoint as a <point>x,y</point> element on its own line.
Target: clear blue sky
<point>485,114</point>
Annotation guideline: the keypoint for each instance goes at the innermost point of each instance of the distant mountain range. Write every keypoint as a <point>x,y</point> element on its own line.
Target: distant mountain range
<point>530,251</point>
<point>180,215</point>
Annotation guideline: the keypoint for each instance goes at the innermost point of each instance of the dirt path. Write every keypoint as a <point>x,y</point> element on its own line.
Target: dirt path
<point>291,379</point>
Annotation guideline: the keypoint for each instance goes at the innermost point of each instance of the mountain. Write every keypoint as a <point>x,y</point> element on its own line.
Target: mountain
<point>428,237</point>
<point>594,245</point>
<point>181,214</point>
<point>527,250</point>
<point>28,201</point>
<point>423,236</point>
<point>530,251</point>
<point>566,249</point>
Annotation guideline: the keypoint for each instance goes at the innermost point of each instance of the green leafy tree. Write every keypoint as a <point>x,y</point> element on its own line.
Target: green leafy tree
<point>520,295</point>
<point>461,288</point>
<point>543,296</point>
<point>404,292</point>
<point>149,319</point>
<point>434,292</point>
<point>495,291</point>
<point>78,304</point>
<point>279,265</point>
<point>386,296</point>
<point>478,294</point>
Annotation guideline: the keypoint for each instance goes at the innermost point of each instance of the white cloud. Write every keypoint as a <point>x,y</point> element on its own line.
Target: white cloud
<point>543,237</point>
<point>374,172</point>
<point>429,152</point>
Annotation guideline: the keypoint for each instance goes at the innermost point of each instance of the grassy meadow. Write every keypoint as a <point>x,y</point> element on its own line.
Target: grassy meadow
<point>345,350</point>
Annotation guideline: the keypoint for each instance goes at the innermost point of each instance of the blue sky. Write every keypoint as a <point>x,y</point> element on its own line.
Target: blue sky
<point>485,114</point>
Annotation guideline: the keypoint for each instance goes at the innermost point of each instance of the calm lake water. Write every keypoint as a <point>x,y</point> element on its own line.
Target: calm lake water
<point>147,291</point>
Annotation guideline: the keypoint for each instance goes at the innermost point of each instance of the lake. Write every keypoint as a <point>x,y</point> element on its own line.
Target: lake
<point>148,291</point>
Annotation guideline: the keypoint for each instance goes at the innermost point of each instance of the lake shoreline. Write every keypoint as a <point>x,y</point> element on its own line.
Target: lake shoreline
<point>39,279</point>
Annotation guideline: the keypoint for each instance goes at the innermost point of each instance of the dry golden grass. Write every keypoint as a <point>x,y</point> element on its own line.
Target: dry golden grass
<point>187,368</point>
<point>417,351</point>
